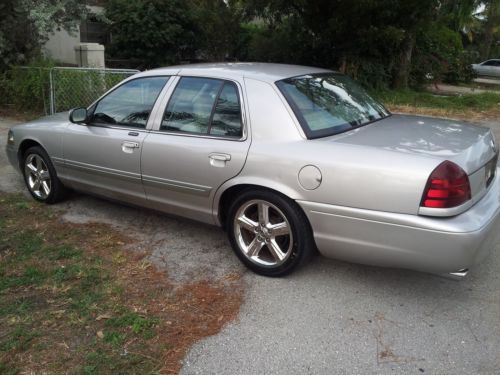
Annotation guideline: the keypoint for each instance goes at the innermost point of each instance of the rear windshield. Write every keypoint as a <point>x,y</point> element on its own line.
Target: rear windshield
<point>328,104</point>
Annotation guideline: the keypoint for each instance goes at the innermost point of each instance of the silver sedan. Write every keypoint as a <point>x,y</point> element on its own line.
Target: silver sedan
<point>287,159</point>
<point>488,68</point>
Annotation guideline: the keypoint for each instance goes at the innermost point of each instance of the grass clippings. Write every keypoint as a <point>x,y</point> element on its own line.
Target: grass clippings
<point>73,301</point>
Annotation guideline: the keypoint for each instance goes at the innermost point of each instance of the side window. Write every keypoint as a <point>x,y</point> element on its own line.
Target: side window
<point>130,104</point>
<point>191,105</point>
<point>489,63</point>
<point>226,120</point>
<point>204,106</point>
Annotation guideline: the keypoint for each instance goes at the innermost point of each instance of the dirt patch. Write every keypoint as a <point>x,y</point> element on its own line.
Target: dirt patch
<point>72,300</point>
<point>467,115</point>
<point>18,116</point>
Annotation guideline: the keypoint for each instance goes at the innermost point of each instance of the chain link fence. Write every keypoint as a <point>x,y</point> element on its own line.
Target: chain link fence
<point>79,87</point>
<point>47,90</point>
<point>25,89</point>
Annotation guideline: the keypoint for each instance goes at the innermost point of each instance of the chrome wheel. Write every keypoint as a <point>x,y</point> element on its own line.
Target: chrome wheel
<point>263,233</point>
<point>37,176</point>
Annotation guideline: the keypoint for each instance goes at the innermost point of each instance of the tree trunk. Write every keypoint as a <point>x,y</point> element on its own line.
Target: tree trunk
<point>487,42</point>
<point>343,65</point>
<point>400,79</point>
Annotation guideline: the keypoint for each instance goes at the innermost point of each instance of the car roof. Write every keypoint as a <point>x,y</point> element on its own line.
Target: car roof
<point>262,71</point>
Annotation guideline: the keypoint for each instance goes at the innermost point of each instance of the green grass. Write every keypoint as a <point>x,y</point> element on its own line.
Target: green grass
<point>19,307</point>
<point>47,282</point>
<point>19,339</point>
<point>137,323</point>
<point>72,300</point>
<point>30,276</point>
<point>484,101</point>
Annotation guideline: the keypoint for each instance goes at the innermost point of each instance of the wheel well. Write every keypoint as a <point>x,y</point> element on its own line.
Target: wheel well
<point>230,194</point>
<point>26,144</point>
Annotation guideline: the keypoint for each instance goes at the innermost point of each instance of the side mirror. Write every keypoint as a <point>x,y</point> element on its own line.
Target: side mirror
<point>78,115</point>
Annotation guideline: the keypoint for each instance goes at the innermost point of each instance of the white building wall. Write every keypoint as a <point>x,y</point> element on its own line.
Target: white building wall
<point>61,46</point>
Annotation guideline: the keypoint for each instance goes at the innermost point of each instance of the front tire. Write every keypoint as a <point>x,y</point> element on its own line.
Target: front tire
<point>40,176</point>
<point>269,233</point>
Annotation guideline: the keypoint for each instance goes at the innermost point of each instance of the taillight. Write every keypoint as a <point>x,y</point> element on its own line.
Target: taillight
<point>448,186</point>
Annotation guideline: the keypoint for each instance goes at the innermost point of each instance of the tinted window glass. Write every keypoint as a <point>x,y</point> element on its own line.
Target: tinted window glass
<point>489,63</point>
<point>191,105</point>
<point>327,104</point>
<point>130,104</point>
<point>226,120</point>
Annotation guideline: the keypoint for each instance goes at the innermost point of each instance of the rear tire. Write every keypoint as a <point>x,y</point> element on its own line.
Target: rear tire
<point>40,176</point>
<point>269,233</point>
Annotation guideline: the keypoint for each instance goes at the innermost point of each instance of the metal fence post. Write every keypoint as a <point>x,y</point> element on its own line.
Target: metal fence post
<point>42,89</point>
<point>52,93</point>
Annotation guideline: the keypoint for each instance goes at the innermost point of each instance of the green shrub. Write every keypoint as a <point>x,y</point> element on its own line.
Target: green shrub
<point>155,32</point>
<point>27,87</point>
<point>439,57</point>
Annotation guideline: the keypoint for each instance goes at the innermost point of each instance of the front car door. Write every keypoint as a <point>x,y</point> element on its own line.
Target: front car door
<point>104,155</point>
<point>198,142</point>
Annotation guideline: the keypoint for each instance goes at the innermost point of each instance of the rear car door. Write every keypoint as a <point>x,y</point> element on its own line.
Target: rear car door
<point>104,155</point>
<point>199,141</point>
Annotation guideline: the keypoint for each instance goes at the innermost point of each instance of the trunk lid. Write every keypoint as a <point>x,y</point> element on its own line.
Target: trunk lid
<point>469,146</point>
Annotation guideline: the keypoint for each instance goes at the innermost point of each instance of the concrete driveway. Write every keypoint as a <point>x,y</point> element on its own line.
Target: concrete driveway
<point>330,317</point>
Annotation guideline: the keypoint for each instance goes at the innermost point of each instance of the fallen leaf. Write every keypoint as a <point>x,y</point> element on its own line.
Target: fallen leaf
<point>64,344</point>
<point>100,334</point>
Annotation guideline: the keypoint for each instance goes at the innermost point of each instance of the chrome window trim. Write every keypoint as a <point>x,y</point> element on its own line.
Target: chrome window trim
<point>194,135</point>
<point>129,129</point>
<point>135,76</point>
<point>149,123</point>
<point>163,102</point>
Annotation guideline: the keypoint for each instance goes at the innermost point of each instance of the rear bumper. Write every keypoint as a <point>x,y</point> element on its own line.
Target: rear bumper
<point>430,244</point>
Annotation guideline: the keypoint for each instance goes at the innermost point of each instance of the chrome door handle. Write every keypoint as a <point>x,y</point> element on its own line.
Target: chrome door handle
<point>220,157</point>
<point>219,160</point>
<point>130,144</point>
<point>128,147</point>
